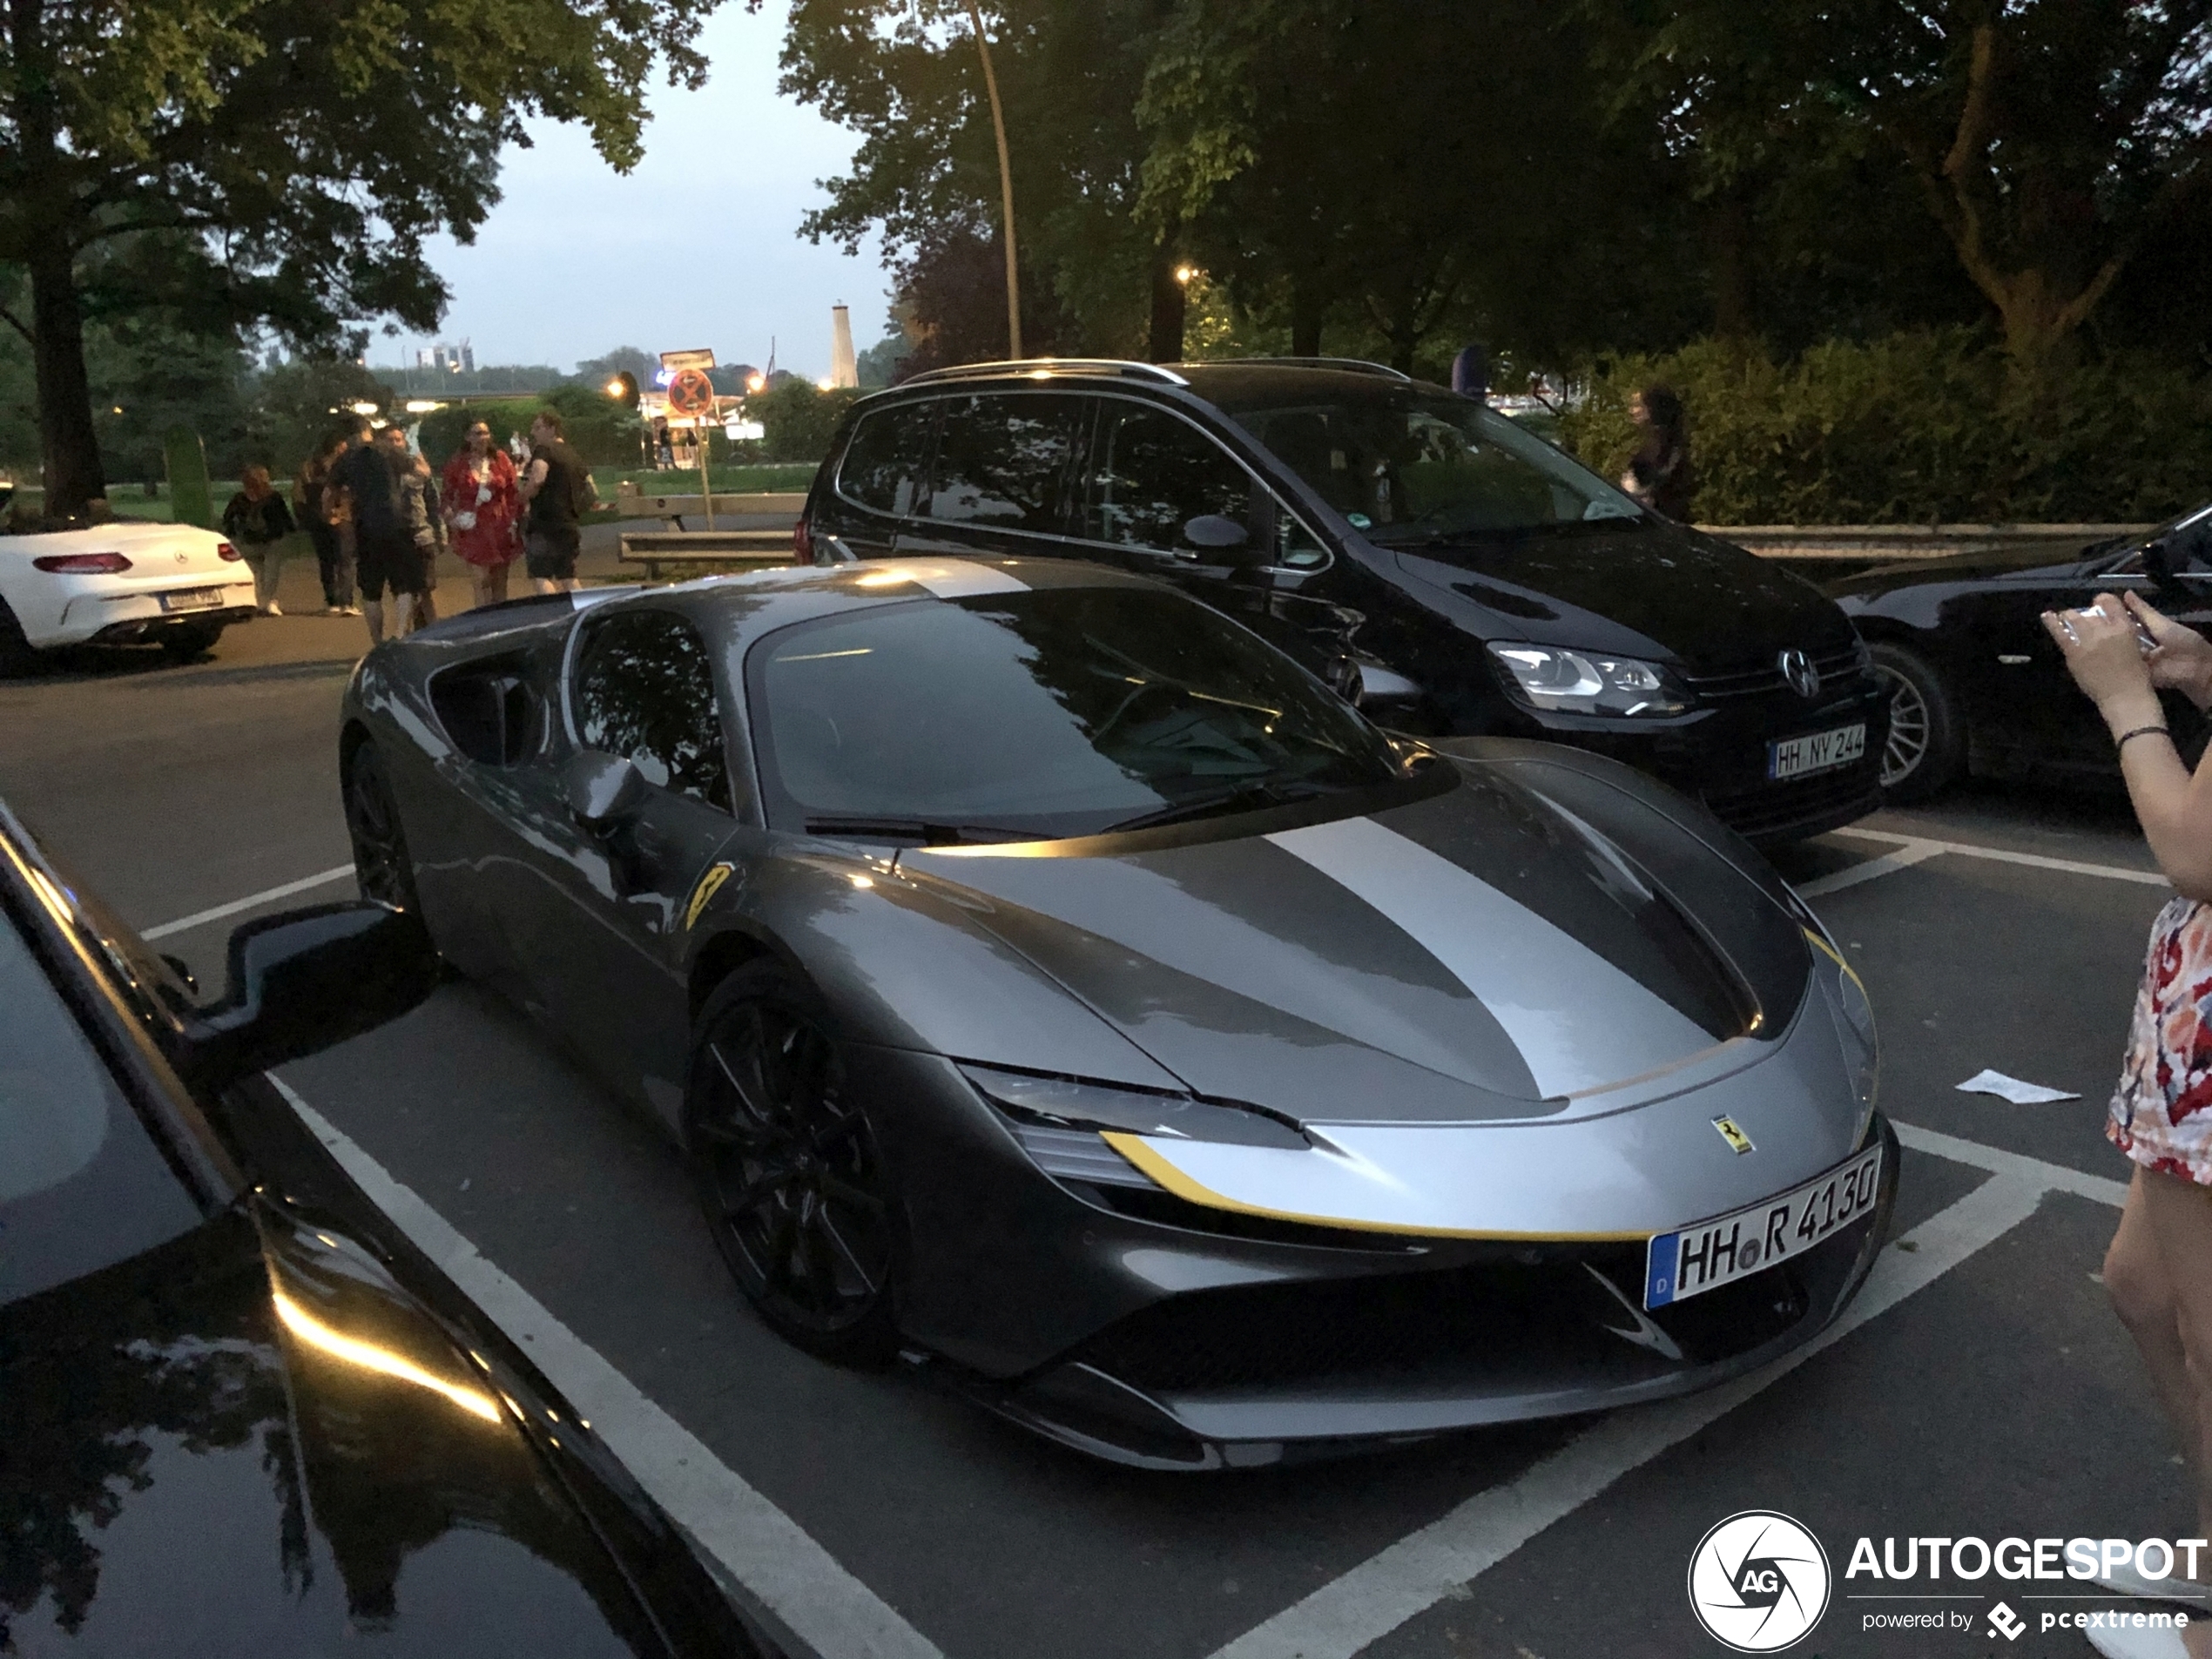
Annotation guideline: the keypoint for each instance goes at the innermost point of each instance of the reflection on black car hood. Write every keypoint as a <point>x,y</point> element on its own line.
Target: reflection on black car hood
<point>2035,563</point>
<point>241,1444</point>
<point>1650,591</point>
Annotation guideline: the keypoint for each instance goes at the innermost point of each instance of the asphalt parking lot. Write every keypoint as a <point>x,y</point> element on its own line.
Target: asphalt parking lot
<point>1980,1386</point>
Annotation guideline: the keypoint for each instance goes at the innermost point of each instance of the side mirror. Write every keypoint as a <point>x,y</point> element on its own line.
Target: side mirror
<point>306,980</point>
<point>602,789</point>
<point>1215,532</point>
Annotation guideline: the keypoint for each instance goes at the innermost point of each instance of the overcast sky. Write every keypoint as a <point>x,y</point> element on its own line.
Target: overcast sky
<point>698,246</point>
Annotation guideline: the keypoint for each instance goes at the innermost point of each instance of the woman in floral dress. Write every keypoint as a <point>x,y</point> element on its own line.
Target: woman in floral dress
<point>2159,1269</point>
<point>482,511</point>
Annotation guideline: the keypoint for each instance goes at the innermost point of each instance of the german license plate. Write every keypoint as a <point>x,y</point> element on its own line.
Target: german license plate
<point>1703,1258</point>
<point>1820,750</point>
<point>192,599</point>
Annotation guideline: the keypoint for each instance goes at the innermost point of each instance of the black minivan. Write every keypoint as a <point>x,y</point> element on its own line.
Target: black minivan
<point>1457,574</point>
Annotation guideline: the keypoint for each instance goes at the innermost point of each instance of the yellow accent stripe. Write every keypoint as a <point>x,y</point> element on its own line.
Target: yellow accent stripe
<point>1831,954</point>
<point>1145,1158</point>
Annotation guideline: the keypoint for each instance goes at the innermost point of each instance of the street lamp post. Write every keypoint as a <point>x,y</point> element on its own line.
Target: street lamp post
<point>1006,188</point>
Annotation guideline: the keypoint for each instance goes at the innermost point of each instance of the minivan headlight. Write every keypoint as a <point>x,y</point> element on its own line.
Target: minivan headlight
<point>1576,682</point>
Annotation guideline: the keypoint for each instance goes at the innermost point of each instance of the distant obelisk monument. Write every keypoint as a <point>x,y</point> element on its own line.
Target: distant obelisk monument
<point>845,369</point>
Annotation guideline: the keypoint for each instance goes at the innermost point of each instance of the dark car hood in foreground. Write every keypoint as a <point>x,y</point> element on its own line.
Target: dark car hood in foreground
<point>2029,563</point>
<point>1478,953</point>
<point>1714,608</point>
<point>247,1441</point>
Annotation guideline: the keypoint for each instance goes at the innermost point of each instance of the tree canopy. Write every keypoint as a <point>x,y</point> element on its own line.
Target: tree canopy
<point>279,163</point>
<point>1397,175</point>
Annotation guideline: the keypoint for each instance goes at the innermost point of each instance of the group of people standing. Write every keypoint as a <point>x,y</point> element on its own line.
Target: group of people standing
<point>379,516</point>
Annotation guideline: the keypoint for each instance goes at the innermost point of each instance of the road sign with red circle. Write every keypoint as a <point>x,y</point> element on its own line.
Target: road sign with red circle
<point>690,392</point>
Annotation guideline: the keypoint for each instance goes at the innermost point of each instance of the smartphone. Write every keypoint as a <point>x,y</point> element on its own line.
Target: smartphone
<point>2144,641</point>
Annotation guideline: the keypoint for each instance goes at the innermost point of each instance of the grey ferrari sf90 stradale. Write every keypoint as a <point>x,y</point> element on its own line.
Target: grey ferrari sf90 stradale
<point>1050,982</point>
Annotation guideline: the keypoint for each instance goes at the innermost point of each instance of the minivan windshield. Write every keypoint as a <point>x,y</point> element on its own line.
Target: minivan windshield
<point>1041,714</point>
<point>1406,465</point>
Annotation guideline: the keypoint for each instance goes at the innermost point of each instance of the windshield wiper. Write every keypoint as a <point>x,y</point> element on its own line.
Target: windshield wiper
<point>1242,797</point>
<point>928,831</point>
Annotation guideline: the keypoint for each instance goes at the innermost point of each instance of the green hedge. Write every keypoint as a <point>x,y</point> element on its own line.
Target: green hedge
<point>599,430</point>
<point>1914,428</point>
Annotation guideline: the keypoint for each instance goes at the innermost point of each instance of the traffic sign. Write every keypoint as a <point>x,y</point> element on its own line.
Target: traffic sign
<point>691,392</point>
<point>679,359</point>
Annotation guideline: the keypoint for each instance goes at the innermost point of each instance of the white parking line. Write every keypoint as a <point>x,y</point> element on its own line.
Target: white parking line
<point>768,1552</point>
<point>1351,1613</point>
<point>1888,864</point>
<point>1995,854</point>
<point>2056,1176</point>
<point>251,902</point>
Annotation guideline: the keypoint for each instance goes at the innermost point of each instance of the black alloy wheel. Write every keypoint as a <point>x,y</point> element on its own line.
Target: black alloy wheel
<point>381,864</point>
<point>788,1170</point>
<point>1925,743</point>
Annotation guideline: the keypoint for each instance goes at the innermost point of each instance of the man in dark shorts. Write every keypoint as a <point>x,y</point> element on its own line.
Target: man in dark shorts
<point>552,490</point>
<point>384,550</point>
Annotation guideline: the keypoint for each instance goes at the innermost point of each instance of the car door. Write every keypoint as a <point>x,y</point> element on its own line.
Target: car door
<point>1158,490</point>
<point>608,949</point>
<point>1002,479</point>
<point>2015,681</point>
<point>880,482</point>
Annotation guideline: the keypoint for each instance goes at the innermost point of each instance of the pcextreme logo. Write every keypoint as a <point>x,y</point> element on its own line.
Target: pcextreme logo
<point>1758,1582</point>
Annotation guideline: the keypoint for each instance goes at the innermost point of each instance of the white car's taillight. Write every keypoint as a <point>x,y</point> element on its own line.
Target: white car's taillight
<point>225,550</point>
<point>82,563</point>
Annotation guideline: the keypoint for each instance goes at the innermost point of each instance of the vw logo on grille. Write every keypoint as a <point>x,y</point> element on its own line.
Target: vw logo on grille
<point>1797,670</point>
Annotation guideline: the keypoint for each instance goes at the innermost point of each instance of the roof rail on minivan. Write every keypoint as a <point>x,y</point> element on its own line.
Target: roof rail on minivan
<point>1051,366</point>
<point>1349,365</point>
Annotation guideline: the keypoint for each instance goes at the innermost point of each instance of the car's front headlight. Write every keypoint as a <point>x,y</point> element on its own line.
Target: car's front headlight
<point>1059,1121</point>
<point>1574,682</point>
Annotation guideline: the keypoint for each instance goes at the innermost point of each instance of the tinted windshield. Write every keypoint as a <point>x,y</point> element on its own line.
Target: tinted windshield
<point>1408,465</point>
<point>81,1184</point>
<point>1041,713</point>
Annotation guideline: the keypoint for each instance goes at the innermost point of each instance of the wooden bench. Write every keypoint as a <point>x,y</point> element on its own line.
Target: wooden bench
<point>742,549</point>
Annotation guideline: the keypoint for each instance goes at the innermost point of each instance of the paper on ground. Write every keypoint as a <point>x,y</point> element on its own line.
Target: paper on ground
<point>2012,1089</point>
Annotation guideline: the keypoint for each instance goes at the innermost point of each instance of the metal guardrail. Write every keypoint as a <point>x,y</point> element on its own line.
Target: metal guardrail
<point>1883,543</point>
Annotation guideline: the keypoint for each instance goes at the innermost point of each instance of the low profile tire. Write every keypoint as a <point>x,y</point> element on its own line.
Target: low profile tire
<point>17,655</point>
<point>1926,741</point>
<point>382,862</point>
<point>788,1170</point>
<point>188,645</point>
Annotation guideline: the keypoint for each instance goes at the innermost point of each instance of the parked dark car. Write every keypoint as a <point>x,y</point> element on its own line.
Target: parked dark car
<point>1051,984</point>
<point>242,1414</point>
<point>1973,680</point>
<point>1461,575</point>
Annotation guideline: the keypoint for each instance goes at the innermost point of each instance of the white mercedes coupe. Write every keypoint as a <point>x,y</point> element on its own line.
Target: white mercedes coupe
<point>122,583</point>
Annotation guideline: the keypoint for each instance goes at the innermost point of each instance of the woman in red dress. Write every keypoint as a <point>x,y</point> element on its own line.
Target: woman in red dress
<point>478,493</point>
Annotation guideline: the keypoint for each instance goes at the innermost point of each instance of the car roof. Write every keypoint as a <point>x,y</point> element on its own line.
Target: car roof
<point>744,608</point>
<point>1229,384</point>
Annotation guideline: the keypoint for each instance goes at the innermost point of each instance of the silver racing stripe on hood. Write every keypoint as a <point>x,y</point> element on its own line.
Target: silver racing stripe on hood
<point>1580,1022</point>
<point>959,578</point>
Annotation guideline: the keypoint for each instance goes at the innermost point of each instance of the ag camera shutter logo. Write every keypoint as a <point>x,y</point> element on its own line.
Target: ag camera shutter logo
<point>1758,1582</point>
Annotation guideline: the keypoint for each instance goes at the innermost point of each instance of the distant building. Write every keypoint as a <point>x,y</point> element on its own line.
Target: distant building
<point>845,369</point>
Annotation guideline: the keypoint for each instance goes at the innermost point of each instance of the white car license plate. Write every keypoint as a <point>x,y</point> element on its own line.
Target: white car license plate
<point>192,599</point>
<point>1703,1258</point>
<point>1794,757</point>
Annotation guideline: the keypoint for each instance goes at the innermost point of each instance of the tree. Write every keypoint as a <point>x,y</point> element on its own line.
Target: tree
<point>2052,141</point>
<point>907,79</point>
<point>598,371</point>
<point>278,161</point>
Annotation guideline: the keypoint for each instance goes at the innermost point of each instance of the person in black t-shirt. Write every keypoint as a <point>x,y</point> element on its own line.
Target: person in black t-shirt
<point>552,492</point>
<point>384,550</point>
